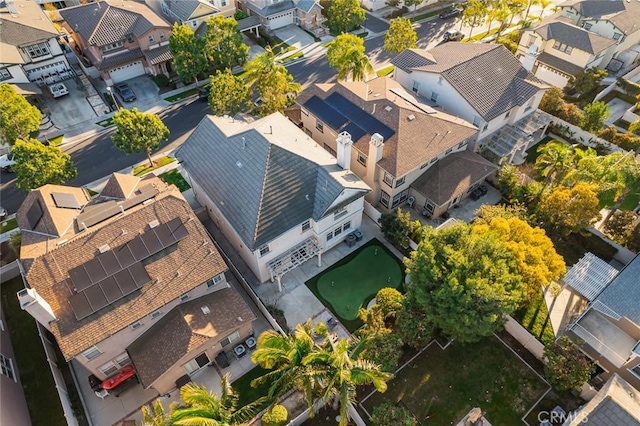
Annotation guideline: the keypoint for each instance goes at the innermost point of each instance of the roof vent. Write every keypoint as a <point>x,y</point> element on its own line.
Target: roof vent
<point>388,108</point>
<point>104,248</point>
<point>154,223</point>
<point>411,117</point>
<point>240,319</point>
<point>205,309</point>
<point>239,164</point>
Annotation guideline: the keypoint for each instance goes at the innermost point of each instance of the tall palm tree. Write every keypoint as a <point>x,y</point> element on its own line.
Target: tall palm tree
<point>157,417</point>
<point>203,408</point>
<point>553,161</point>
<point>283,355</point>
<point>340,369</point>
<point>543,5</point>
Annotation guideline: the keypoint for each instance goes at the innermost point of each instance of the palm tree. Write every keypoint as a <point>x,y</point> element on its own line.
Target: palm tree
<point>347,54</point>
<point>156,418</point>
<point>339,368</point>
<point>283,355</point>
<point>553,161</point>
<point>203,408</point>
<point>543,5</point>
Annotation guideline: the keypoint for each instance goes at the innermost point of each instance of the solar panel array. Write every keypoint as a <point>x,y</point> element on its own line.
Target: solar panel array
<point>34,214</point>
<point>116,273</point>
<point>65,201</point>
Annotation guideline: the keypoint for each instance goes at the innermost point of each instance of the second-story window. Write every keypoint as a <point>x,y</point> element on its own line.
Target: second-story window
<point>38,50</point>
<point>306,225</point>
<point>5,74</point>
<point>388,178</point>
<point>320,126</point>
<point>161,35</point>
<point>400,181</point>
<point>112,46</point>
<point>151,39</point>
<point>587,26</point>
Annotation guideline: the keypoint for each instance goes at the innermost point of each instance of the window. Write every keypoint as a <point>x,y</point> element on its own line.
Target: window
<point>123,359</point>
<point>161,35</point>
<point>1,326</point>
<point>129,39</point>
<point>91,353</point>
<point>532,40</point>
<point>448,151</point>
<point>184,297</point>
<point>616,36</point>
<point>415,86</point>
<point>223,3</point>
<point>308,132</point>
<point>434,97</point>
<point>424,165</point>
<point>306,225</point>
<point>340,213</point>
<point>155,314</point>
<point>388,178</point>
<point>196,364</point>
<point>38,50</point>
<point>562,47</point>
<point>384,199</point>
<point>362,159</point>
<point>337,231</point>
<point>136,324</point>
<point>346,226</point>
<point>6,367</point>
<point>433,160</point>
<point>230,339</point>
<point>264,250</point>
<point>430,206</point>
<point>399,198</point>
<point>329,236</point>
<point>587,26</point>
<point>5,74</point>
<point>112,46</point>
<point>330,150</point>
<point>151,39</point>
<point>194,23</point>
<point>215,280</point>
<point>636,370</point>
<point>400,181</point>
<point>108,369</point>
<point>461,144</point>
<point>320,126</point>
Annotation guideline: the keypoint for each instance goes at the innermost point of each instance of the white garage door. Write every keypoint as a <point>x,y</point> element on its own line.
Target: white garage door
<point>126,72</point>
<point>279,21</point>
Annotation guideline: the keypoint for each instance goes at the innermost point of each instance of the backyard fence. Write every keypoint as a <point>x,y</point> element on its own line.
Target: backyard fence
<point>525,338</point>
<point>576,134</point>
<point>372,212</point>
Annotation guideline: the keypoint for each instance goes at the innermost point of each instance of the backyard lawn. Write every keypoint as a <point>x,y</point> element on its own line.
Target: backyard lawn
<point>446,384</point>
<point>535,318</point>
<point>351,283</point>
<point>175,177</point>
<point>247,394</point>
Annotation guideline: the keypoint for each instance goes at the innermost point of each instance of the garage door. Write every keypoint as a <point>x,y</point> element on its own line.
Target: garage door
<point>279,21</point>
<point>126,72</point>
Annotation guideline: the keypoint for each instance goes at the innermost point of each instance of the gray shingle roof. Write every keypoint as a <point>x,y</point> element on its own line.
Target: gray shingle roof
<point>183,9</point>
<point>247,23</point>
<point>158,55</point>
<point>101,24</point>
<point>17,34</point>
<point>559,64</point>
<point>622,295</point>
<point>271,9</point>
<point>120,59</point>
<point>306,5</point>
<point>574,36</point>
<point>261,187</point>
<point>623,14</point>
<point>488,76</point>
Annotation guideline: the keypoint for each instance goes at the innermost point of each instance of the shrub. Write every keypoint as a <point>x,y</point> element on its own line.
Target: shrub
<point>276,416</point>
<point>412,326</point>
<point>161,80</point>
<point>387,414</point>
<point>571,114</point>
<point>567,367</point>
<point>626,141</point>
<point>240,14</point>
<point>395,227</point>
<point>621,227</point>
<point>384,350</point>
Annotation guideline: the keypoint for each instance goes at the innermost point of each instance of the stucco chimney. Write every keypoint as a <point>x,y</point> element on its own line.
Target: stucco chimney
<point>375,154</point>
<point>36,306</point>
<point>530,58</point>
<point>344,144</point>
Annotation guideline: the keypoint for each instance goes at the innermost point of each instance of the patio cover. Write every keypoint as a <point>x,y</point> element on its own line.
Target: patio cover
<point>590,276</point>
<point>513,136</point>
<point>293,258</point>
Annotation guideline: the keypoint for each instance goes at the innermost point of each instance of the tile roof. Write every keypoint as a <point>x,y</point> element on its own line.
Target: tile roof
<point>158,55</point>
<point>559,64</point>
<point>120,186</point>
<point>623,14</point>
<point>266,177</point>
<point>420,132</point>
<point>120,59</point>
<point>184,9</point>
<point>452,175</point>
<point>623,292</point>
<point>186,328</point>
<point>488,76</point>
<point>100,23</point>
<point>616,403</point>
<point>48,273</point>
<point>574,36</point>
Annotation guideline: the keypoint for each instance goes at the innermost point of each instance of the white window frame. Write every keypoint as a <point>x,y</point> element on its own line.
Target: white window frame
<point>399,198</point>
<point>587,26</point>
<point>161,35</point>
<point>306,225</point>
<point>633,371</point>
<point>38,50</point>
<point>191,369</point>
<point>434,96</point>
<point>415,86</point>
<point>329,236</point>
<point>122,359</point>
<point>384,199</point>
<point>617,36</point>
<point>340,213</point>
<point>194,23</point>
<point>362,159</point>
<point>215,280</point>
<point>108,369</point>
<point>319,126</point>
<point>88,353</point>
<point>156,314</point>
<point>477,121</point>
<point>151,38</point>
<point>230,339</point>
<point>5,74</point>
<point>400,181</point>
<point>136,325</point>
<point>264,250</point>
<point>388,179</point>
<point>347,225</point>
<point>112,46</point>
<point>337,231</point>
<point>6,368</point>
<point>184,297</point>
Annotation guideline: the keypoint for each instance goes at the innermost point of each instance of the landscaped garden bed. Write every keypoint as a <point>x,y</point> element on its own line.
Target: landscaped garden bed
<point>175,177</point>
<point>352,282</point>
<point>443,385</point>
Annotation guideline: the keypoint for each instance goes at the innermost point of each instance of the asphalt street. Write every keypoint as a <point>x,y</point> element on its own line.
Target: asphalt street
<point>96,157</point>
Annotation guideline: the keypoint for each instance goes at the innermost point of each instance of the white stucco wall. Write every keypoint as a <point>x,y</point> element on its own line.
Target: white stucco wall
<point>17,75</point>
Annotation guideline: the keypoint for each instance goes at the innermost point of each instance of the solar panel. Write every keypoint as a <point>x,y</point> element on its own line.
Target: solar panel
<point>80,278</point>
<point>95,270</point>
<point>357,115</point>
<point>65,201</point>
<point>152,242</point>
<point>355,131</point>
<point>98,213</point>
<point>164,235</point>
<point>96,297</point>
<point>111,290</point>
<point>139,274</point>
<point>146,192</point>
<point>109,262</point>
<point>124,255</point>
<point>177,229</point>
<point>126,282</point>
<point>138,249</point>
<point>34,214</point>
<point>80,305</point>
<point>324,112</point>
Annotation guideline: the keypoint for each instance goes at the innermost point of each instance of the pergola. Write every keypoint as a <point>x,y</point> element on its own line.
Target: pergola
<point>507,141</point>
<point>590,276</point>
<point>293,258</point>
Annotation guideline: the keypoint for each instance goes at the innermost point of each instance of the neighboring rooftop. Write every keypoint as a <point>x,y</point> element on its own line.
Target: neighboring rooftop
<point>622,13</point>
<point>56,273</point>
<point>101,23</point>
<point>413,132</point>
<point>559,64</point>
<point>267,176</point>
<point>589,276</point>
<point>574,36</point>
<point>623,292</point>
<point>185,10</point>
<point>488,76</point>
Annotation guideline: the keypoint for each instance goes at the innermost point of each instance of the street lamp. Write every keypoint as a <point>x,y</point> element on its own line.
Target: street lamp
<point>115,102</point>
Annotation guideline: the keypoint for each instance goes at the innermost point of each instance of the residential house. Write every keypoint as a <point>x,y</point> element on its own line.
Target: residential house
<point>193,13</point>
<point>615,19</point>
<point>616,403</point>
<point>398,140</point>
<point>483,84</point>
<point>108,275</point>
<point>29,49</point>
<point>609,329</point>
<point>122,40</point>
<point>277,196</point>
<point>563,50</point>
<point>11,390</point>
<point>275,14</point>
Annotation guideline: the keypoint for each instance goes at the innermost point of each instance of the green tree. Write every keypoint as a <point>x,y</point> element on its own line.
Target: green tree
<point>516,7</point>
<point>347,55</point>
<point>229,94</point>
<point>617,174</point>
<point>381,317</point>
<point>18,118</point>
<point>138,132</point>
<point>201,407</point>
<point>473,15</point>
<point>501,13</point>
<point>396,227</point>
<point>595,114</point>
<point>570,210</point>
<point>387,414</point>
<point>224,45</point>
<point>621,226</point>
<point>554,161</point>
<point>345,16</point>
<point>276,416</point>
<point>567,367</point>
<point>414,3</point>
<point>487,212</point>
<point>413,326</point>
<point>544,4</point>
<point>384,350</point>
<point>400,36</point>
<point>38,164</point>
<point>552,101</point>
<point>155,417</point>
<point>635,127</point>
<point>509,183</point>
<point>588,80</point>
<point>273,82</point>
<point>188,51</point>
<point>571,114</point>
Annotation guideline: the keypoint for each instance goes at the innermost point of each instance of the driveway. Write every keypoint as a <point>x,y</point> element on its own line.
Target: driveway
<point>294,36</point>
<point>71,109</point>
<point>374,24</point>
<point>145,89</point>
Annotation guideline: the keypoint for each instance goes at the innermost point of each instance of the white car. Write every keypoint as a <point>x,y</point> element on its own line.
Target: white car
<point>58,89</point>
<point>6,161</point>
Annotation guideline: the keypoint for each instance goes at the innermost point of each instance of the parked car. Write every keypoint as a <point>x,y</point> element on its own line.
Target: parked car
<point>6,161</point>
<point>125,92</point>
<point>203,93</point>
<point>453,36</point>
<point>452,12</point>
<point>58,89</point>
